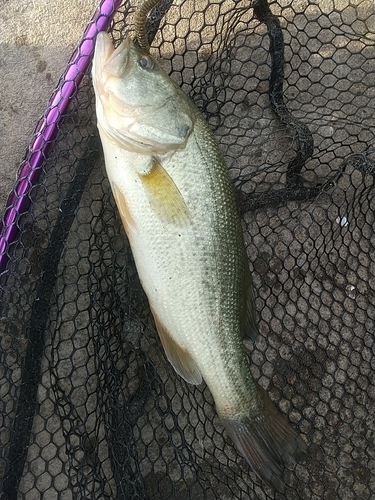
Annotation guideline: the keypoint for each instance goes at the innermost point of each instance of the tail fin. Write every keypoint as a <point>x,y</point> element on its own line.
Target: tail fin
<point>266,441</point>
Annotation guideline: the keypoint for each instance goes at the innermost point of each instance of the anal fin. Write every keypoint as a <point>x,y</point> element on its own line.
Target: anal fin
<point>178,356</point>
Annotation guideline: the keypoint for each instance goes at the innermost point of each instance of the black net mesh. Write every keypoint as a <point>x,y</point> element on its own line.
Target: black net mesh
<point>90,408</point>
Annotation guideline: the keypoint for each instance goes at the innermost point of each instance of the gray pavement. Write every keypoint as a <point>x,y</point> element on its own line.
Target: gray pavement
<point>37,38</point>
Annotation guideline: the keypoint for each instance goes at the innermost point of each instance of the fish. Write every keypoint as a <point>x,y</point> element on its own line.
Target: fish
<point>178,207</point>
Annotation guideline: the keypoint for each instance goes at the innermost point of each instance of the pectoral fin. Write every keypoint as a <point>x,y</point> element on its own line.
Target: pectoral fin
<point>164,196</point>
<point>179,357</point>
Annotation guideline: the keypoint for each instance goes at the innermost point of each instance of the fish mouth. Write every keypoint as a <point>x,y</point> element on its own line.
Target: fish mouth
<point>117,59</point>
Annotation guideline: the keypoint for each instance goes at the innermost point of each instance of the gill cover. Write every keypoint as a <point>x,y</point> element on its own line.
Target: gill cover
<point>138,106</point>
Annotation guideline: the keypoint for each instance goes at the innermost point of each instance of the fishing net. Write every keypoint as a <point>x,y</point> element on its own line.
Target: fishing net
<point>90,407</point>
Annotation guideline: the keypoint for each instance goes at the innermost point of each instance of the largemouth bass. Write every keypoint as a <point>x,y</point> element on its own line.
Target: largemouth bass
<point>177,205</point>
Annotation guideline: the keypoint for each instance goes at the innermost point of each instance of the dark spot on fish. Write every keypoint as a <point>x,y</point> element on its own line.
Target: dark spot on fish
<point>48,76</point>
<point>41,66</point>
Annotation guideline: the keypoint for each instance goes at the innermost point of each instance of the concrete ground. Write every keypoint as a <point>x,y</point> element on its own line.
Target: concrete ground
<point>37,38</point>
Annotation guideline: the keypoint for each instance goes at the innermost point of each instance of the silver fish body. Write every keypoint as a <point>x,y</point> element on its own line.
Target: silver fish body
<point>177,205</point>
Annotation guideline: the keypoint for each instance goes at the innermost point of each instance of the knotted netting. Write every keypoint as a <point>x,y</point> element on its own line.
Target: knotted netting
<point>90,407</point>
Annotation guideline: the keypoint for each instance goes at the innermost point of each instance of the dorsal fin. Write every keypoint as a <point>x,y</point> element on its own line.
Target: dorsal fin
<point>249,328</point>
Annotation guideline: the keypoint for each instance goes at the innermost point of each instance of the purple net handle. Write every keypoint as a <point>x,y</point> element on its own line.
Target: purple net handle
<point>19,200</point>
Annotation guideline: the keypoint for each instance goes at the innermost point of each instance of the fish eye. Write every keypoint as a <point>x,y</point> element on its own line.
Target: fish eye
<point>146,62</point>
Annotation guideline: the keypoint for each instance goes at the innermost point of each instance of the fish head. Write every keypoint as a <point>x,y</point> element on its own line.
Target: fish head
<point>138,106</point>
